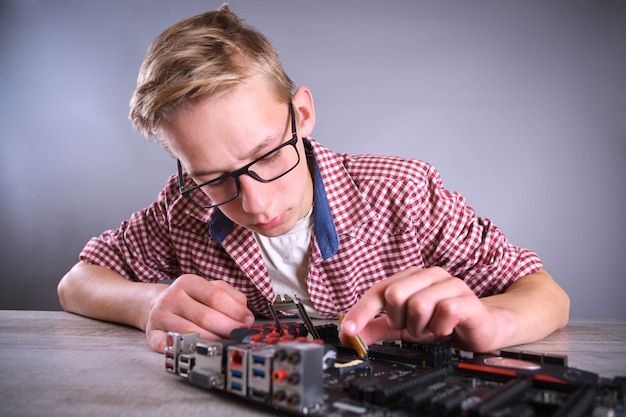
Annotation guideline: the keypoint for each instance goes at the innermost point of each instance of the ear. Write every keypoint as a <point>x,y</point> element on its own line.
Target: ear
<point>303,106</point>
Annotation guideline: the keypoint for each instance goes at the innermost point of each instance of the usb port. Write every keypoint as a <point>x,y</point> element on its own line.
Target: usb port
<point>259,373</point>
<point>235,386</point>
<point>258,360</point>
<point>236,373</point>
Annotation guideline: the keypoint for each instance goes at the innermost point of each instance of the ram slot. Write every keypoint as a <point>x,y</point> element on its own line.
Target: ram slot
<point>383,396</point>
<point>503,395</point>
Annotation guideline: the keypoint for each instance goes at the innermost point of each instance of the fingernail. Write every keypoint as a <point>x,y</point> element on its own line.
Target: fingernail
<point>349,326</point>
<point>249,321</point>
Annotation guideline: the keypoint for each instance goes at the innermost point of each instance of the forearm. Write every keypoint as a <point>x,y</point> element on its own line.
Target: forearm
<point>103,294</point>
<point>531,308</point>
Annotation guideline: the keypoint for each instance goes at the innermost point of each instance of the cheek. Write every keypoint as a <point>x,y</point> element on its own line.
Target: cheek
<point>297,183</point>
<point>233,211</point>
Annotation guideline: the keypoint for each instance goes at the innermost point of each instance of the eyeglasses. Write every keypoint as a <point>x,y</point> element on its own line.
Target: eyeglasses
<point>271,166</point>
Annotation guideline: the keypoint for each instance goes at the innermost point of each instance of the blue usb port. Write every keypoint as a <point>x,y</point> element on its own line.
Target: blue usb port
<point>236,373</point>
<point>258,360</point>
<point>259,373</point>
<point>235,386</point>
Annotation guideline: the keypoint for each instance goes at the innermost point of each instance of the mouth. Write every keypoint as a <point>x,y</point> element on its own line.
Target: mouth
<point>275,222</point>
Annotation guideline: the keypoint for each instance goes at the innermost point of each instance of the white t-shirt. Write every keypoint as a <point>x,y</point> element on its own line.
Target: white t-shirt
<point>287,260</point>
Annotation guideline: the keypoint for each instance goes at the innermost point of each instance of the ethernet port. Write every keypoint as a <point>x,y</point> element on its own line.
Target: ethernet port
<point>236,358</point>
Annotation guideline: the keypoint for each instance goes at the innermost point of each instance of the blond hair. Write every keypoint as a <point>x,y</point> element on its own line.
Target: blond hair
<point>200,57</point>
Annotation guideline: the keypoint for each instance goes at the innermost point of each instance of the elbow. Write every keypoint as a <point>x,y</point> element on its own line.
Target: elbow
<point>65,289</point>
<point>559,299</point>
<point>62,292</point>
<point>565,309</point>
<point>554,302</point>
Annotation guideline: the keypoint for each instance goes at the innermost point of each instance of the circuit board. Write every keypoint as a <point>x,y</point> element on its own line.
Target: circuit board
<point>301,369</point>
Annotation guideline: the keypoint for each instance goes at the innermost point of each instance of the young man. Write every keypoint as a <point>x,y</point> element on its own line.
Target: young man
<point>259,209</point>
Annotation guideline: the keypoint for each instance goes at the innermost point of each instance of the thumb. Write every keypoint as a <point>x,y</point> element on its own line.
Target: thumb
<point>156,339</point>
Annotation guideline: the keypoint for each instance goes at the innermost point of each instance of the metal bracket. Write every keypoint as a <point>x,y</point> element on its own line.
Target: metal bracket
<point>285,302</point>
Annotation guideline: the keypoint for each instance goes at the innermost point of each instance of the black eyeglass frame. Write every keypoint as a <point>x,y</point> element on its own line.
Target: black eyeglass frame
<point>243,170</point>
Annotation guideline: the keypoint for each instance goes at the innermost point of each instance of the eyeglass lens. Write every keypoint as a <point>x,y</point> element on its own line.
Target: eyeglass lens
<point>267,169</point>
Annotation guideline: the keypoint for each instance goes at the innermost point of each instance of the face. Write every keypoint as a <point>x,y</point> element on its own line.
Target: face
<point>221,134</point>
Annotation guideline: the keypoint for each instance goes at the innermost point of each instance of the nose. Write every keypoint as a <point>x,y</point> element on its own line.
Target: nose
<point>253,194</point>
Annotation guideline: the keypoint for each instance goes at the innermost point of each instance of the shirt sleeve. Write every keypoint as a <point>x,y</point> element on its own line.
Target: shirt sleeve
<point>467,246</point>
<point>140,249</point>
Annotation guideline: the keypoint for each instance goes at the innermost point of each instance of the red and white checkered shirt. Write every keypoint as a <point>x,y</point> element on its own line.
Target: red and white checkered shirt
<point>389,214</point>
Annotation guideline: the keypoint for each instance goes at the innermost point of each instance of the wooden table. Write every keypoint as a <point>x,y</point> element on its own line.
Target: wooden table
<point>60,364</point>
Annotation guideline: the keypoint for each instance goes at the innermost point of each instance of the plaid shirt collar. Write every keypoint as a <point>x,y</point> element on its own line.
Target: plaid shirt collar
<point>346,211</point>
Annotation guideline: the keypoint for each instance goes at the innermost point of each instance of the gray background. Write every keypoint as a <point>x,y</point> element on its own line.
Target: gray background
<point>521,106</point>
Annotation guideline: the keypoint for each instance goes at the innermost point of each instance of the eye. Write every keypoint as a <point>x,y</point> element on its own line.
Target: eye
<point>271,157</point>
<point>217,183</point>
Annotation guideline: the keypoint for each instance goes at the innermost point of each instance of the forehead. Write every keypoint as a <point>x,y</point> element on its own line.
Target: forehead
<point>220,133</point>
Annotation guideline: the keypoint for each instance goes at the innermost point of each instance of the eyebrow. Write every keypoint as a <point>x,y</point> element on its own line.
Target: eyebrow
<point>260,149</point>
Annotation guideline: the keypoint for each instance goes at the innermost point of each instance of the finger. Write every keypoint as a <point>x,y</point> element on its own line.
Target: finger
<point>374,330</point>
<point>391,295</point>
<point>234,293</point>
<point>221,296</point>
<point>438,308</point>
<point>464,312</point>
<point>379,329</point>
<point>192,316</point>
<point>400,291</point>
<point>156,337</point>
<point>193,304</point>
<point>218,319</point>
<point>370,305</point>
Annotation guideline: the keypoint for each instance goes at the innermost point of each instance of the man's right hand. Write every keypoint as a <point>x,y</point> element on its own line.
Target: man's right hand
<point>193,304</point>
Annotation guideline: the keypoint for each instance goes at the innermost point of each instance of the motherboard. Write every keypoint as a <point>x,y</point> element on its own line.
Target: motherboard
<point>302,369</point>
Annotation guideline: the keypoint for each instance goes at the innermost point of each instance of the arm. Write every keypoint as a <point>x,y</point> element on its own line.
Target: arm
<point>530,309</point>
<point>427,304</point>
<point>191,303</point>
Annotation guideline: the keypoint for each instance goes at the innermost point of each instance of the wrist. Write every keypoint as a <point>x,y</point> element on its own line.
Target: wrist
<point>150,295</point>
<point>505,328</point>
